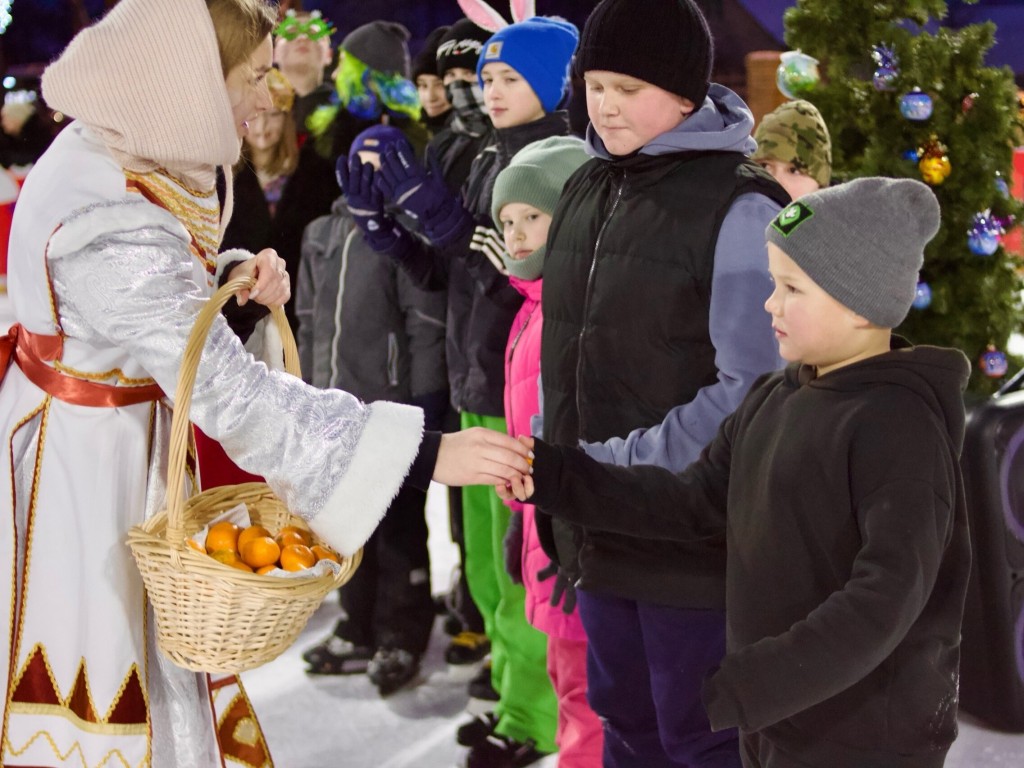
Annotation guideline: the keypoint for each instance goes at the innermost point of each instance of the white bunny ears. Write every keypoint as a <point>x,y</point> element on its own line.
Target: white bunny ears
<point>483,15</point>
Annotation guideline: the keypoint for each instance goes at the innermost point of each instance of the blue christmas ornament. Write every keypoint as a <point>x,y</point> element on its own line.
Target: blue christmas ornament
<point>983,234</point>
<point>922,296</point>
<point>993,363</point>
<point>1001,186</point>
<point>888,70</point>
<point>912,155</point>
<point>916,105</point>
<point>982,243</point>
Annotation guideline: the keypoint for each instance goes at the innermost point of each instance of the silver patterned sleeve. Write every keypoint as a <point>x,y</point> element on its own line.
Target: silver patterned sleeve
<point>334,460</point>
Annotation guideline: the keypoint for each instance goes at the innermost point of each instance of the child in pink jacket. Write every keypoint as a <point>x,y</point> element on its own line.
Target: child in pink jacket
<point>524,197</point>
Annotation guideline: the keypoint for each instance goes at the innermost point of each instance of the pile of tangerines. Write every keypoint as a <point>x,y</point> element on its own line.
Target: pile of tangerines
<point>254,549</point>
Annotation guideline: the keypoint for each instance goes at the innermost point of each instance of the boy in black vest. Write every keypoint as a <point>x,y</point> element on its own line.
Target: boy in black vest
<point>837,488</point>
<point>655,276</point>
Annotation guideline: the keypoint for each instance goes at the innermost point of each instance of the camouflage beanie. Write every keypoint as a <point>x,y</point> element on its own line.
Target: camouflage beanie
<point>795,133</point>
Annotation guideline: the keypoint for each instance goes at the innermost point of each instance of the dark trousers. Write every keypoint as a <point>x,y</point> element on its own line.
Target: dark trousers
<point>388,601</point>
<point>462,602</point>
<point>645,667</point>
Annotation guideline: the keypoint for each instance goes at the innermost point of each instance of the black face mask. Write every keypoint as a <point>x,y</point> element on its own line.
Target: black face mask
<point>467,102</point>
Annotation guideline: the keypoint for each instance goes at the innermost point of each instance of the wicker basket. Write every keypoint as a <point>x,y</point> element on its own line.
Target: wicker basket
<point>211,617</point>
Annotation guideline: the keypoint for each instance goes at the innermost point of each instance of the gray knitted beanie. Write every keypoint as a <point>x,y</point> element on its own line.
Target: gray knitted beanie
<point>536,174</point>
<point>380,45</point>
<point>862,242</point>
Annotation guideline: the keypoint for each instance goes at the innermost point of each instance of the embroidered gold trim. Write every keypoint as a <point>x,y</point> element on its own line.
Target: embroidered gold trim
<point>100,729</point>
<point>218,690</point>
<point>112,373</point>
<point>181,183</point>
<point>198,211</point>
<point>145,661</point>
<point>76,747</point>
<point>44,409</point>
<point>120,691</point>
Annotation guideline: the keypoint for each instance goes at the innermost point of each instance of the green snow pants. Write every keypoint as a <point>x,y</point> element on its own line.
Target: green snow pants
<point>528,708</point>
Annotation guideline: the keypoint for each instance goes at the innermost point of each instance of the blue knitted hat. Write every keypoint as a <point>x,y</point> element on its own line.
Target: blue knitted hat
<point>376,138</point>
<point>540,49</point>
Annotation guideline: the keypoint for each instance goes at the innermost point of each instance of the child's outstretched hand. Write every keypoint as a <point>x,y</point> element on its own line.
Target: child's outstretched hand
<point>518,488</point>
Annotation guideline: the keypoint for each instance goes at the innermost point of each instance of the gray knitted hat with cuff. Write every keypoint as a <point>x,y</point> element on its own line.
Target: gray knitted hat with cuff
<point>862,242</point>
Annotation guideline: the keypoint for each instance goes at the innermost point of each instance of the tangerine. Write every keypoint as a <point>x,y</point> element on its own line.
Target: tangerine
<point>230,557</point>
<point>260,551</point>
<point>196,546</point>
<point>292,534</point>
<point>297,557</point>
<point>266,569</point>
<point>222,535</point>
<point>250,533</point>
<point>323,553</point>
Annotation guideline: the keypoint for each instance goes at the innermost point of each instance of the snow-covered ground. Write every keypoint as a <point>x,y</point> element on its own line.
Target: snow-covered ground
<point>341,722</point>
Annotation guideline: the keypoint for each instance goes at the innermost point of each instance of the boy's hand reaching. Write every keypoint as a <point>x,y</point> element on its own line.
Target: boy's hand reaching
<point>519,488</point>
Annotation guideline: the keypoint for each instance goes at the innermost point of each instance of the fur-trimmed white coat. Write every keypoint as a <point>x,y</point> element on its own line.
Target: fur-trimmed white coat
<point>114,273</point>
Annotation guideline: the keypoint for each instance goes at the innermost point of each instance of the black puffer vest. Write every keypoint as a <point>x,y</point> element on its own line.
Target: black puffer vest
<point>627,296</point>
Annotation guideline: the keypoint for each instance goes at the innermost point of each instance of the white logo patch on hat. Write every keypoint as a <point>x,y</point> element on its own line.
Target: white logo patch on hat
<point>493,50</point>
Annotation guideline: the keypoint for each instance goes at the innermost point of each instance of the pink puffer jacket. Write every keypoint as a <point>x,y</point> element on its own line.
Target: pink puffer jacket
<point>522,367</point>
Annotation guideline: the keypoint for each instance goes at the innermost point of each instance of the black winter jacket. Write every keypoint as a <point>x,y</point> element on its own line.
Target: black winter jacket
<point>364,327</point>
<point>481,302</point>
<point>308,193</point>
<point>842,503</point>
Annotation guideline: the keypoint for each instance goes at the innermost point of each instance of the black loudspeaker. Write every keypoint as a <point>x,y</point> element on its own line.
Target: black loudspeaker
<point>992,652</point>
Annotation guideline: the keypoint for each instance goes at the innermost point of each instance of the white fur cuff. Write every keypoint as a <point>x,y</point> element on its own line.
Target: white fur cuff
<point>389,444</point>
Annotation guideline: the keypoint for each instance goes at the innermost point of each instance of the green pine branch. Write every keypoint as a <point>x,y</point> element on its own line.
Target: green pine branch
<point>976,300</point>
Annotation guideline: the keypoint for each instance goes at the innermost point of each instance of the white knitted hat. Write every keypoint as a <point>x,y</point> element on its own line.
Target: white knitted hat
<point>147,79</point>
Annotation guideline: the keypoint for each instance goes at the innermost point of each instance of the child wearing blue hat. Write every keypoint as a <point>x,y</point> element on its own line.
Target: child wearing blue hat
<point>524,73</point>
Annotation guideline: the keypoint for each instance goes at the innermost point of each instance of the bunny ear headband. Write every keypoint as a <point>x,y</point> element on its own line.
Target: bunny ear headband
<point>483,15</point>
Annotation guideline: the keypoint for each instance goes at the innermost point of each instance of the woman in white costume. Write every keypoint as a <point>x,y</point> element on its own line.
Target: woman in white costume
<point>113,253</point>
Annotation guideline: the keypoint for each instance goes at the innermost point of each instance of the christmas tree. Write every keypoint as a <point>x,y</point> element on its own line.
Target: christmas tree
<point>902,101</point>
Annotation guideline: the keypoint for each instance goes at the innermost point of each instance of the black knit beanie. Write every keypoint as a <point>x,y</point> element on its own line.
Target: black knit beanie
<point>668,44</point>
<point>425,62</point>
<point>461,46</point>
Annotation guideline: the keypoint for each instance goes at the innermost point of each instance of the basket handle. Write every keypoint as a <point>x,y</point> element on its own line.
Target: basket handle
<point>180,424</point>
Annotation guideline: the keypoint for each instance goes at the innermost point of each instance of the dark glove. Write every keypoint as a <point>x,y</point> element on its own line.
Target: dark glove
<point>435,407</point>
<point>513,543</point>
<point>407,184</point>
<point>365,202</point>
<point>564,587</point>
<point>423,196</point>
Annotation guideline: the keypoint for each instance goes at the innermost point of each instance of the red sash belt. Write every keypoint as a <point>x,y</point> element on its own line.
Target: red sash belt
<point>31,351</point>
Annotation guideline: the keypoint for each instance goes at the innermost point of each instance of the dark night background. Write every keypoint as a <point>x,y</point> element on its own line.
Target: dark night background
<point>41,28</point>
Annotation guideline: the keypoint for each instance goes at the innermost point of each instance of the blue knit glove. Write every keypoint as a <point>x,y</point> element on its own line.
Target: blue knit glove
<point>365,203</point>
<point>423,196</point>
<point>407,184</point>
